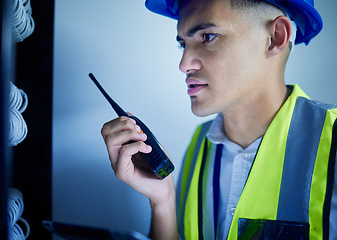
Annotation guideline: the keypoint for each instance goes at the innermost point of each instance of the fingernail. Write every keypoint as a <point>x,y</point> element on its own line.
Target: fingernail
<point>132,120</point>
<point>138,128</point>
<point>143,135</point>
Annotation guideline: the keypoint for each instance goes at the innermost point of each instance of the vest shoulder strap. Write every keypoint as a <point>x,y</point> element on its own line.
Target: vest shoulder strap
<point>187,170</point>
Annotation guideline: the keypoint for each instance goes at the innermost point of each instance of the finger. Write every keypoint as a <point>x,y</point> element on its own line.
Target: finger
<point>128,150</point>
<point>124,168</point>
<point>117,139</point>
<point>120,131</point>
<point>118,124</point>
<point>115,142</point>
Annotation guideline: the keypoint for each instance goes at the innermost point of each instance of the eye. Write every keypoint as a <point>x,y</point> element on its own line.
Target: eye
<point>208,37</point>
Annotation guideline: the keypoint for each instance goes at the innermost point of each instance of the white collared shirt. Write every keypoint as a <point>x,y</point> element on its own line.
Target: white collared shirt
<point>235,167</point>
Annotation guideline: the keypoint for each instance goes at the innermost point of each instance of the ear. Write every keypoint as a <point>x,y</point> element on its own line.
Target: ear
<point>280,31</point>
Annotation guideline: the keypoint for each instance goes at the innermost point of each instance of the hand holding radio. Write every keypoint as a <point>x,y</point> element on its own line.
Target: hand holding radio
<point>124,141</point>
<point>157,160</point>
<point>136,156</point>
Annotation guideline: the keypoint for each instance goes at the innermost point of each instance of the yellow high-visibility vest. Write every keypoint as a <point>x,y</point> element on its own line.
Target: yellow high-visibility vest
<point>288,191</point>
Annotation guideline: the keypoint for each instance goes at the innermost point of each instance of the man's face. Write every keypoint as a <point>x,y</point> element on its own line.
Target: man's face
<point>223,57</point>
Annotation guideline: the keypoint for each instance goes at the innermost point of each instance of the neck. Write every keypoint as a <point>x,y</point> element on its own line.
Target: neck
<point>250,121</point>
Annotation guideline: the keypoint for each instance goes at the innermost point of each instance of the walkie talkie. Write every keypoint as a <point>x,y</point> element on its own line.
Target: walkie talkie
<point>157,159</point>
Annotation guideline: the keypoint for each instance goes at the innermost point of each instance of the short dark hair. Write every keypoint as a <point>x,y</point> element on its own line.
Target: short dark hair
<point>246,3</point>
<point>242,3</point>
<point>251,4</point>
<point>239,4</point>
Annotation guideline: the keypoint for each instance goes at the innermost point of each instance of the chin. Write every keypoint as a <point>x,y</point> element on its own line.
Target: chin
<point>201,112</point>
<point>202,108</point>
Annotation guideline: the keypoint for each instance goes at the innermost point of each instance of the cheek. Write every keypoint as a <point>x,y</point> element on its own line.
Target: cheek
<point>242,64</point>
<point>228,66</point>
<point>231,64</point>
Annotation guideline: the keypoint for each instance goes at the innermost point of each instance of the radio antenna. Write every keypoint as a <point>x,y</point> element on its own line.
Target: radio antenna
<point>113,104</point>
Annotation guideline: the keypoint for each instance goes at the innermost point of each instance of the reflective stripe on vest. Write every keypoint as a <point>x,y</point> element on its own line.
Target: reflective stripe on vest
<point>191,167</point>
<point>289,177</point>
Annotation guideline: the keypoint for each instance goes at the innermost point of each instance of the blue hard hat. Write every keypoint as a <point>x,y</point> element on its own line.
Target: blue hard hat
<point>302,12</point>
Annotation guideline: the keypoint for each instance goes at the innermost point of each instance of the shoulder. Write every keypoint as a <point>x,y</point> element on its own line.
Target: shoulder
<point>317,104</point>
<point>204,127</point>
<point>199,133</point>
<point>312,108</point>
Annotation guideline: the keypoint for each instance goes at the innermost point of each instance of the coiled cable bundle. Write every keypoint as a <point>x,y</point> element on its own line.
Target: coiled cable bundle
<point>23,23</point>
<point>14,212</point>
<point>18,102</point>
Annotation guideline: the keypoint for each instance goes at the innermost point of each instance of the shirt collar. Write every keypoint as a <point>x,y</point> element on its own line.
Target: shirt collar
<point>216,135</point>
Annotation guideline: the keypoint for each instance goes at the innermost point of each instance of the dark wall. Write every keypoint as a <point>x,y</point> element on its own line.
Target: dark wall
<point>32,157</point>
<point>6,74</point>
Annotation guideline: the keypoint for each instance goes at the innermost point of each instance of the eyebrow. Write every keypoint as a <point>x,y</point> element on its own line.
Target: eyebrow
<point>196,28</point>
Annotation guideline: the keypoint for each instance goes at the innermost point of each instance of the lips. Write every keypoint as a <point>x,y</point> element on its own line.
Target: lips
<point>194,86</point>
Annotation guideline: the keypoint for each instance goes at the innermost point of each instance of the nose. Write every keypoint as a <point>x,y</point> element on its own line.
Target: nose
<point>189,62</point>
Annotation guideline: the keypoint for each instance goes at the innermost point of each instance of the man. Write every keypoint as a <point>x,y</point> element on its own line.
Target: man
<point>264,168</point>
